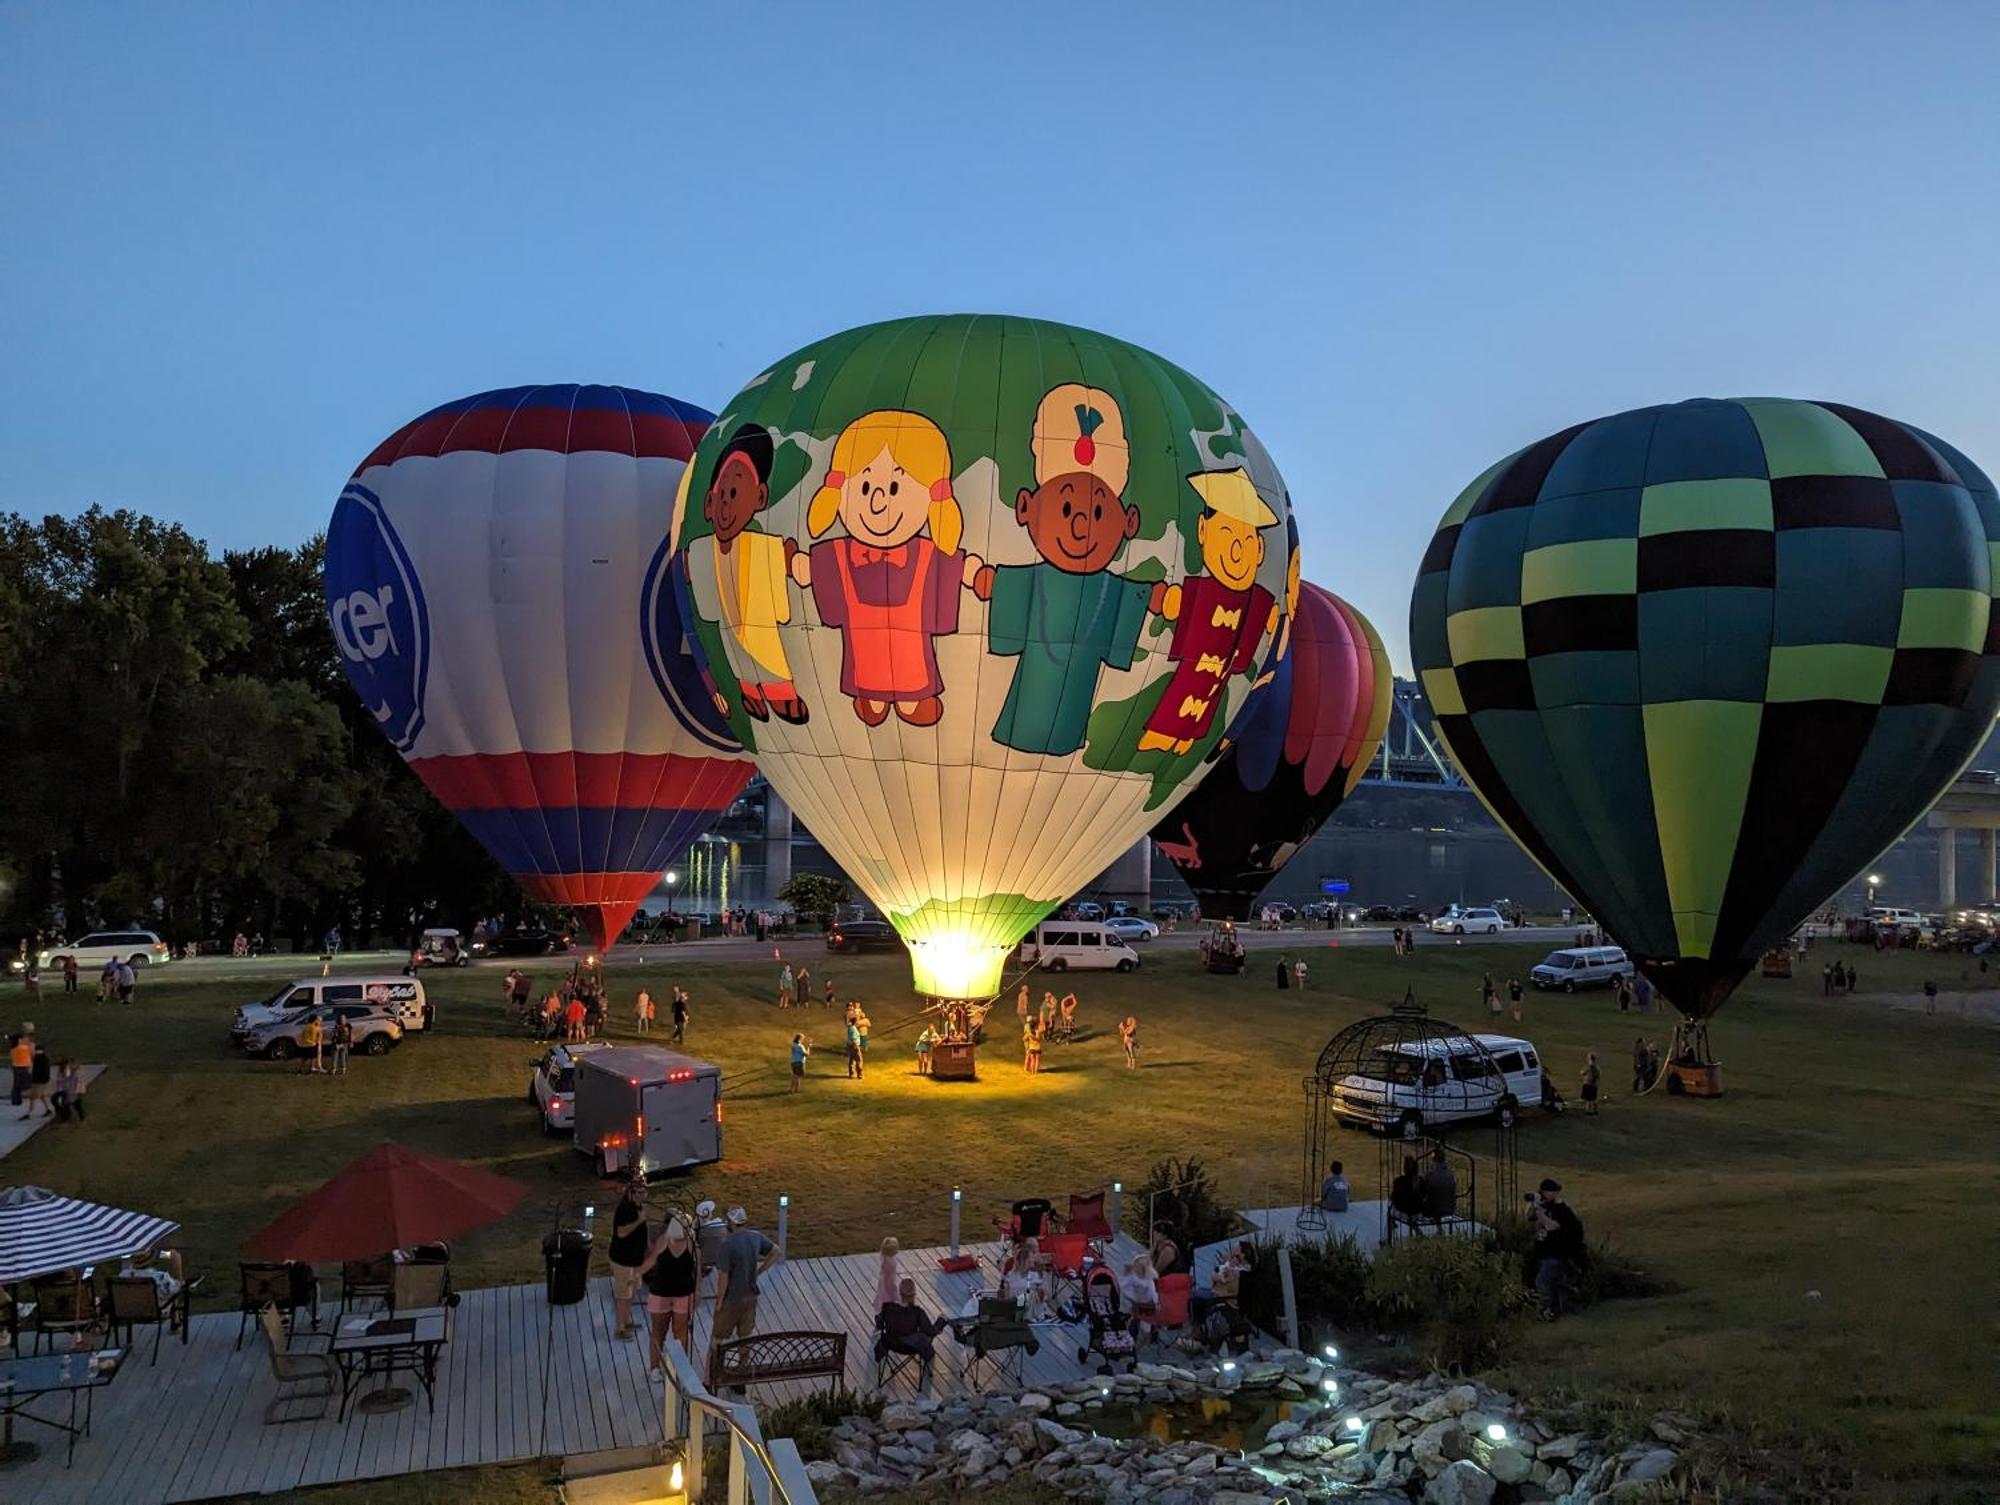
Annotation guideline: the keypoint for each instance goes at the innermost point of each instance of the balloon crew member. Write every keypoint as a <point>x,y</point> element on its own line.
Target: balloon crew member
<point>1559,1248</point>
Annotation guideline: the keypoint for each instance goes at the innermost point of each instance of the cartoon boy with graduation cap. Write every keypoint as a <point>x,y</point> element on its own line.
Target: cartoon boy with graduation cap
<point>1067,617</point>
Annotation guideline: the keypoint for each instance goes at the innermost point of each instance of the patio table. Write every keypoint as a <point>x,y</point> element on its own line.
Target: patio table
<point>406,1342</point>
<point>24,1381</point>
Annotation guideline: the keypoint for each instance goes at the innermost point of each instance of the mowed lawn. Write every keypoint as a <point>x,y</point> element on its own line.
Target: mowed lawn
<point>1853,1157</point>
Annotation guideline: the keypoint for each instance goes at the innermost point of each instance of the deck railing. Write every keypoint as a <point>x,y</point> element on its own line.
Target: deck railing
<point>761,1472</point>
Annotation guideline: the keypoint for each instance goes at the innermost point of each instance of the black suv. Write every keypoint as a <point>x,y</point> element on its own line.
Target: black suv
<point>852,937</point>
<point>527,942</point>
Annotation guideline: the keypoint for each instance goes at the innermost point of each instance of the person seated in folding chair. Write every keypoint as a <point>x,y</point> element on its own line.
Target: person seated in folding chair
<point>904,1328</point>
<point>1217,1320</point>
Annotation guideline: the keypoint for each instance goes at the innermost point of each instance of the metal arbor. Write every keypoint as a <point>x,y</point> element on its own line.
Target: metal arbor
<point>1413,1076</point>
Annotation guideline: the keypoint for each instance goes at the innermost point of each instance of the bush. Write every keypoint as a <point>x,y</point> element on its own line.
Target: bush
<point>1182,1195</point>
<point>1610,1274</point>
<point>810,1420</point>
<point>1459,1299</point>
<point>1329,1282</point>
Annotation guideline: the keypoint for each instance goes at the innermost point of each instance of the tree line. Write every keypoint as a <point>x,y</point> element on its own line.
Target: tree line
<point>180,752</point>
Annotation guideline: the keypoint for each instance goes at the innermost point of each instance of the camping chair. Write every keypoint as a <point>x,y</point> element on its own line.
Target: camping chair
<point>414,1286</point>
<point>364,1280</point>
<point>1062,1256</point>
<point>890,1360</point>
<point>65,1307</point>
<point>999,1329</point>
<point>297,1360</point>
<point>1171,1310</point>
<point>1086,1216</point>
<point>134,1299</point>
<point>287,1286</point>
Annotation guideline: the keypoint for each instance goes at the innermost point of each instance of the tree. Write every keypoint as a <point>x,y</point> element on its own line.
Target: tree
<point>815,896</point>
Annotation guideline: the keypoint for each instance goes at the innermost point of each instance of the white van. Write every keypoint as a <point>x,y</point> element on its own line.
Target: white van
<point>1410,1088</point>
<point>403,997</point>
<point>1580,967</point>
<point>1060,945</point>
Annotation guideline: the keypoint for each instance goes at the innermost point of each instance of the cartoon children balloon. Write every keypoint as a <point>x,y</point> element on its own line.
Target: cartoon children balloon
<point>1023,575</point>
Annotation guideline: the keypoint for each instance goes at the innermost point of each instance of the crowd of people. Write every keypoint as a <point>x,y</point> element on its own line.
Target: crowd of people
<point>54,1084</point>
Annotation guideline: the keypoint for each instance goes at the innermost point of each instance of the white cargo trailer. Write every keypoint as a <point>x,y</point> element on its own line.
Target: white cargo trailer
<point>644,1106</point>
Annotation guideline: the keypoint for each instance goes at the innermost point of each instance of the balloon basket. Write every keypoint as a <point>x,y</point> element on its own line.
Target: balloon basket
<point>1692,1070</point>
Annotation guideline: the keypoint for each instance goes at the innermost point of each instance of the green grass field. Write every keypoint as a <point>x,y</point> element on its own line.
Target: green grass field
<point>1853,1156</point>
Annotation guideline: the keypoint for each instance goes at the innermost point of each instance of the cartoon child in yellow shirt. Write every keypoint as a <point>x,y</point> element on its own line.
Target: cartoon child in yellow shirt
<point>737,577</point>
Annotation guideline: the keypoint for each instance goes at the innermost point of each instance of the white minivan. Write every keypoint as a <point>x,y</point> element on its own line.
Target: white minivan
<point>1580,967</point>
<point>1409,1088</point>
<point>1456,921</point>
<point>1082,945</point>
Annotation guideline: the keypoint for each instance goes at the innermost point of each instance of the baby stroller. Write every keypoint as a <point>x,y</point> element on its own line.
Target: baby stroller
<point>1111,1335</point>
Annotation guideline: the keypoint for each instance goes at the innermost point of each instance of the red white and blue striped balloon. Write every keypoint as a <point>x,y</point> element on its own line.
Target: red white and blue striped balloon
<point>502,593</point>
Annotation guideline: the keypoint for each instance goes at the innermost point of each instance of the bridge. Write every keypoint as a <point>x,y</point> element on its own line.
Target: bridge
<point>1972,803</point>
<point>1411,753</point>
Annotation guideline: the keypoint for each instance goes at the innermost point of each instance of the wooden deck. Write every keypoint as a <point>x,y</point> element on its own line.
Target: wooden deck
<point>192,1428</point>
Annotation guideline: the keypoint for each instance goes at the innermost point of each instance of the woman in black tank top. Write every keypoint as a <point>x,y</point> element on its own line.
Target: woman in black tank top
<point>669,1274</point>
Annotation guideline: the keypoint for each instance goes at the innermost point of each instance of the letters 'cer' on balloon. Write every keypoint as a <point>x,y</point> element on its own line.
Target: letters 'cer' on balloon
<point>981,594</point>
<point>500,588</point>
<point>1706,660</point>
<point>1303,743</point>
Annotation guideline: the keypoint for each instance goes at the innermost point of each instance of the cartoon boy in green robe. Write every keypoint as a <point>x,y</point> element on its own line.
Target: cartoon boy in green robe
<point>1067,617</point>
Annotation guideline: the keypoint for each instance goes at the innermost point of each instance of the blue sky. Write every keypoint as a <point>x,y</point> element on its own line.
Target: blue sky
<point>240,243</point>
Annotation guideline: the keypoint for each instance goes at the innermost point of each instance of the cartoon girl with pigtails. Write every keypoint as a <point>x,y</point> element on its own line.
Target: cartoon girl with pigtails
<point>888,589</point>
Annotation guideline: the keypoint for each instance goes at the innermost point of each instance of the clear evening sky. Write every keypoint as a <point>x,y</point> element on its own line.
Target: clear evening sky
<point>241,243</point>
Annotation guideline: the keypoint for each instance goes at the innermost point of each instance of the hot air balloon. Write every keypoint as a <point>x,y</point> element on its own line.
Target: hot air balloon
<point>502,593</point>
<point>981,594</point>
<point>1302,745</point>
<point>1705,660</point>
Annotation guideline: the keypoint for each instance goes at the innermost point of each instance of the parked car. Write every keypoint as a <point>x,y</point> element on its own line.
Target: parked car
<point>852,937</point>
<point>375,1030</point>
<point>1060,945</point>
<point>1172,909</point>
<point>1576,967</point>
<point>1085,909</point>
<point>1391,914</point>
<point>402,997</point>
<point>1456,921</point>
<point>1416,1086</point>
<point>552,1083</point>
<point>1130,929</point>
<point>527,941</point>
<point>141,948</point>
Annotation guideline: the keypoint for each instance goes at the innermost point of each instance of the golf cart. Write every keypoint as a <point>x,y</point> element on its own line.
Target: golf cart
<point>440,948</point>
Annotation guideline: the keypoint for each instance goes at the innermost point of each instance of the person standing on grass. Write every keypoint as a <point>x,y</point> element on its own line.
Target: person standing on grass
<point>1299,974</point>
<point>552,1010</point>
<point>21,1058</point>
<point>627,1252</point>
<point>680,1009</point>
<point>1826,981</point>
<point>802,986</point>
<point>1559,1247</point>
<point>1853,978</point>
<point>1068,1007</point>
<point>862,1023</point>
<point>642,1010</point>
<point>746,1255</point>
<point>107,980</point>
<point>1590,1082</point>
<point>785,984</point>
<point>574,1014</point>
<point>1128,1037</point>
<point>1514,997</point>
<point>69,1089</point>
<point>69,974</point>
<point>309,1043</point>
<point>1640,1056</point>
<point>926,1042</point>
<point>343,1043</point>
<point>1046,1016</point>
<point>671,1272</point>
<point>522,991</point>
<point>40,1071</point>
<point>853,1043</point>
<point>800,1050</point>
<point>1031,1047</point>
<point>1930,995</point>
<point>1021,1003</point>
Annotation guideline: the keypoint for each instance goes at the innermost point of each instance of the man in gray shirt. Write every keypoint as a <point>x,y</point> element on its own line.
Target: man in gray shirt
<point>746,1254</point>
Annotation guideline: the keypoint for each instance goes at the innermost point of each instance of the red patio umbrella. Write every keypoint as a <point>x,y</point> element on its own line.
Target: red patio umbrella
<point>391,1198</point>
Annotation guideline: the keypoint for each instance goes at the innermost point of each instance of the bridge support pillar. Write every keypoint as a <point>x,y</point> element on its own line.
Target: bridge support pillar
<point>1947,869</point>
<point>1986,892</point>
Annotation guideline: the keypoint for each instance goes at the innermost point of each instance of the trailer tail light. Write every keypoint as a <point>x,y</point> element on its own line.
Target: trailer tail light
<point>718,1110</point>
<point>680,1076</point>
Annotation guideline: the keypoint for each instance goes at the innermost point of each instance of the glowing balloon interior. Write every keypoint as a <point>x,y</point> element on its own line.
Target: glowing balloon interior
<point>1303,743</point>
<point>981,594</point>
<point>1705,660</point>
<point>500,588</point>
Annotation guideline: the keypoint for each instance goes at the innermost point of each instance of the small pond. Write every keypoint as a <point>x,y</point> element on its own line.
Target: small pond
<point>1236,1422</point>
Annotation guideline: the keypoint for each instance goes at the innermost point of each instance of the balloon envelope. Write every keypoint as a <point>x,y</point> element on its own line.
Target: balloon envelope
<point>1706,660</point>
<point>500,588</point>
<point>1303,743</point>
<point>981,594</point>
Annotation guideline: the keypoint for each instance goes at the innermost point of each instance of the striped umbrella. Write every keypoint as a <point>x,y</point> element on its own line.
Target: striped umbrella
<point>41,1233</point>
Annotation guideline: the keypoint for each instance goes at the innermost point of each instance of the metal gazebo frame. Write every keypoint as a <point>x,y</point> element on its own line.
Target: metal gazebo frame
<point>1408,1030</point>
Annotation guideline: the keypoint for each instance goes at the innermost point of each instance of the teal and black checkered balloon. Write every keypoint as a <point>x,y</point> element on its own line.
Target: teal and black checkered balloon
<point>1706,660</point>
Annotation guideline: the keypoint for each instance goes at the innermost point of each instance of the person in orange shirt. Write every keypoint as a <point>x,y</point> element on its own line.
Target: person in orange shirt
<point>21,1056</point>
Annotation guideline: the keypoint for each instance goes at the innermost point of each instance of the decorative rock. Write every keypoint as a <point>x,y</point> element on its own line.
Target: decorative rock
<point>1438,1444</point>
<point>1203,1465</point>
<point>1057,1433</point>
<point>1069,1408</point>
<point>1562,1448</point>
<point>1656,1464</point>
<point>1034,1400</point>
<point>1308,1445</point>
<point>1503,1461</point>
<point>1283,1431</point>
<point>966,1442</point>
<point>1454,1402</point>
<point>824,1473</point>
<point>1461,1483</point>
<point>1380,1437</point>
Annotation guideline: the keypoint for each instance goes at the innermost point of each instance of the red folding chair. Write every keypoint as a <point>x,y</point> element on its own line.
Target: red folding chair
<point>1064,1254</point>
<point>1086,1216</point>
<point>1171,1311</point>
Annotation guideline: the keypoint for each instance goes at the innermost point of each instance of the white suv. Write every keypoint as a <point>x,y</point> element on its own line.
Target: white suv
<point>1410,1088</point>
<point>1456,921</point>
<point>141,948</point>
<point>552,1087</point>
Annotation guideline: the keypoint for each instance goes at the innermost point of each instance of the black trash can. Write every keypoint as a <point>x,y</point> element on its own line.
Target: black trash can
<point>566,1253</point>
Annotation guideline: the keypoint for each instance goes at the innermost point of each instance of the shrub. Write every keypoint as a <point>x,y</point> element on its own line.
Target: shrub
<point>1609,1275</point>
<point>1459,1299</point>
<point>809,1421</point>
<point>1329,1282</point>
<point>1181,1194</point>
